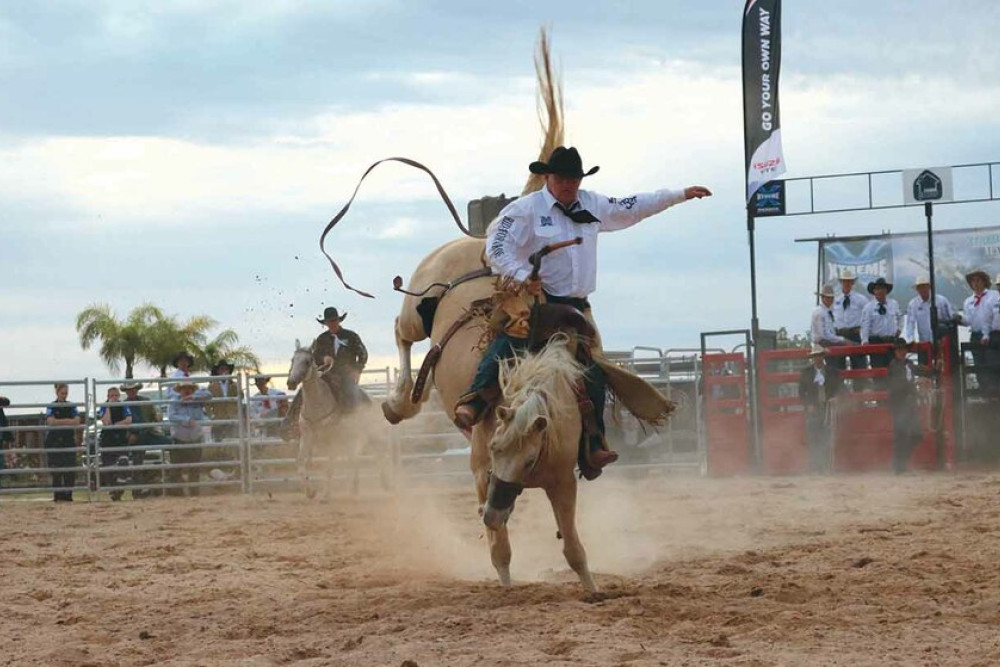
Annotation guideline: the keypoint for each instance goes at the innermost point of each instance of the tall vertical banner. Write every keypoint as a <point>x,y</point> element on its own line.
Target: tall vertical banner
<point>761,66</point>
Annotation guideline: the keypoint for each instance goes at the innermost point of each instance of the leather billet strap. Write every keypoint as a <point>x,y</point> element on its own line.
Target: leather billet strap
<point>343,212</point>
<point>434,355</point>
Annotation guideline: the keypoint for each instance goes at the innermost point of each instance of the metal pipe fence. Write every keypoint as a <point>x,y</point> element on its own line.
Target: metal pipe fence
<point>243,447</point>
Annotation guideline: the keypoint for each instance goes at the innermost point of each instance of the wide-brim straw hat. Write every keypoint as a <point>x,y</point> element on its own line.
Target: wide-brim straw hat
<point>847,273</point>
<point>977,272</point>
<point>130,385</point>
<point>817,351</point>
<point>826,290</point>
<point>181,384</point>
<point>922,279</point>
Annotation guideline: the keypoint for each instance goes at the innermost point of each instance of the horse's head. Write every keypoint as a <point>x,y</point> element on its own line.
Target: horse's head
<point>537,425</point>
<point>301,365</point>
<point>515,449</point>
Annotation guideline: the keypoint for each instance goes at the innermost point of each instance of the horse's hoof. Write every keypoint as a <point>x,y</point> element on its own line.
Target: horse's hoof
<point>390,415</point>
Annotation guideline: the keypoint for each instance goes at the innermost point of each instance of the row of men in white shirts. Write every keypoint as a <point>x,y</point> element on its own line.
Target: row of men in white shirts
<point>850,317</point>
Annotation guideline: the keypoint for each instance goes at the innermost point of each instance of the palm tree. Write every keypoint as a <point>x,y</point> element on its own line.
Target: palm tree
<point>168,336</point>
<point>120,341</point>
<point>224,346</point>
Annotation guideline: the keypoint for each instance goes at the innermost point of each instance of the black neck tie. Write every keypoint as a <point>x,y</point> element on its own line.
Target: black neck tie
<point>582,216</point>
<point>881,309</point>
<point>830,313</point>
<point>847,302</point>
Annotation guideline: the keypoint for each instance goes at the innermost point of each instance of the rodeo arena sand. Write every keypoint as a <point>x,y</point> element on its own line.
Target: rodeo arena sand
<point>843,570</point>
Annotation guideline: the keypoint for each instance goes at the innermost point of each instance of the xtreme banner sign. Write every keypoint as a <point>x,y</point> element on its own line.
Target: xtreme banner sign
<point>902,258</point>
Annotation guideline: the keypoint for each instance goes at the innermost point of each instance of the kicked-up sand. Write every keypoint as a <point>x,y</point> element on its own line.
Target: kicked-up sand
<point>866,570</point>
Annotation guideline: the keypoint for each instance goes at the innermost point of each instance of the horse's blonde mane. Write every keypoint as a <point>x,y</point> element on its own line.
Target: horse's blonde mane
<point>545,381</point>
<point>550,108</point>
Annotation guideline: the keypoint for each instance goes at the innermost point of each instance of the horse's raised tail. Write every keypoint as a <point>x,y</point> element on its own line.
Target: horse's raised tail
<point>550,108</point>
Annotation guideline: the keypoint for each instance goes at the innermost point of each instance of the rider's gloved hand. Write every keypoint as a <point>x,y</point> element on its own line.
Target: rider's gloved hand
<point>533,286</point>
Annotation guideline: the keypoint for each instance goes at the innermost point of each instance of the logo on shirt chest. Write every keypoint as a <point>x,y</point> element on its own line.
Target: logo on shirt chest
<point>546,221</point>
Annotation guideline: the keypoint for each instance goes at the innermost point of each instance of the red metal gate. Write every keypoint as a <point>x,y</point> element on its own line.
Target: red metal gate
<point>727,433</point>
<point>862,428</point>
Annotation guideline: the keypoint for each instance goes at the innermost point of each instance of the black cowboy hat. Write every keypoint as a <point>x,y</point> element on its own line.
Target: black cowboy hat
<point>564,162</point>
<point>222,362</point>
<point>330,313</point>
<point>879,283</point>
<point>181,355</point>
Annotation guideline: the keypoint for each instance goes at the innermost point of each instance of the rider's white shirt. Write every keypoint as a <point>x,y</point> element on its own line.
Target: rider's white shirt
<point>533,221</point>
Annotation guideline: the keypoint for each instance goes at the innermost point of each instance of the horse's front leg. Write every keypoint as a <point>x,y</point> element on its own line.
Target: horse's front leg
<point>563,499</point>
<point>304,457</point>
<point>499,540</point>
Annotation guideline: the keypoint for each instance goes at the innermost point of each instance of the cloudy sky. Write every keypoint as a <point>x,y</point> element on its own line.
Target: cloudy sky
<point>190,152</point>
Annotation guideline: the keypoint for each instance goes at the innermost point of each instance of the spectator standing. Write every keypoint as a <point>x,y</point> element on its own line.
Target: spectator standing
<point>906,429</point>
<point>992,341</point>
<point>976,314</point>
<point>229,410</point>
<point>111,440</point>
<point>146,436</point>
<point>847,307</point>
<point>918,314</point>
<point>6,437</point>
<point>62,413</point>
<point>881,320</point>
<point>182,369</point>
<point>819,383</point>
<point>269,403</point>
<point>186,415</point>
<point>823,331</point>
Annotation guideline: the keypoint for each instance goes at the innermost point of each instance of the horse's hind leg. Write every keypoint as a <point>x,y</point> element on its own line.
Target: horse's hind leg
<point>398,405</point>
<point>563,499</point>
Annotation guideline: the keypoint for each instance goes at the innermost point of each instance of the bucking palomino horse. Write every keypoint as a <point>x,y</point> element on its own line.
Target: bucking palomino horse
<point>524,428</point>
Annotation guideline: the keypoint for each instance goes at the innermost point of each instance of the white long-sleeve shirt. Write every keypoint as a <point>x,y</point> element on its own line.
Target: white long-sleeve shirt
<point>874,323</point>
<point>977,316</point>
<point>822,330</point>
<point>850,316</point>
<point>533,221</point>
<point>918,317</point>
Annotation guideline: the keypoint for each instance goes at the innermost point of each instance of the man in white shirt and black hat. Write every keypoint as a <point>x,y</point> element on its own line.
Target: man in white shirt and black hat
<point>560,211</point>
<point>881,320</point>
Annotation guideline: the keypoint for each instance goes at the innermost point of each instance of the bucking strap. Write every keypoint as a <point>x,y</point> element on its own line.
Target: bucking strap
<point>434,355</point>
<point>343,211</point>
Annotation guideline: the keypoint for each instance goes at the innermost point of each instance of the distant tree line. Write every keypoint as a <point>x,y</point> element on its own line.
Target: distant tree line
<point>149,336</point>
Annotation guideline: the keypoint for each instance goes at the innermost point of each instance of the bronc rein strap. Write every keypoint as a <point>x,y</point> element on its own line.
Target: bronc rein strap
<point>343,212</point>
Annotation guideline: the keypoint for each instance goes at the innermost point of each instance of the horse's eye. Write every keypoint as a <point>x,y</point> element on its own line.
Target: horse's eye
<point>529,463</point>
